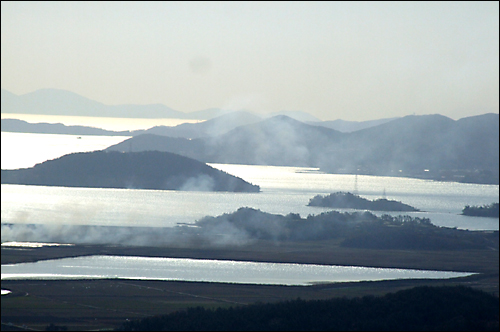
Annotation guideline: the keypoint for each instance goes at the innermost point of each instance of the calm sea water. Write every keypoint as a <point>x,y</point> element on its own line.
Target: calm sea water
<point>203,270</point>
<point>21,150</point>
<point>116,124</point>
<point>284,190</point>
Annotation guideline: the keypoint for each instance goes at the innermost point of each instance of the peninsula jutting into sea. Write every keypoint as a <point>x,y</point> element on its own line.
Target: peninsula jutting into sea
<point>138,170</point>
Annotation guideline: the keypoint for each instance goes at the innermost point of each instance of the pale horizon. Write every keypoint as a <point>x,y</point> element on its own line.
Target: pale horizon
<point>334,60</point>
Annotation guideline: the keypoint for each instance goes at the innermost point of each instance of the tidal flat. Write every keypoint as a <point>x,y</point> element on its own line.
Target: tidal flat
<point>99,304</point>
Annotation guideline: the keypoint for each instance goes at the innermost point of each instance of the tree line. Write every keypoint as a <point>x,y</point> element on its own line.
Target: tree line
<point>425,308</point>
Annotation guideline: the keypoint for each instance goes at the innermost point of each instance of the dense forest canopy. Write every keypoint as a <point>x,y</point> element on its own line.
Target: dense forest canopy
<point>418,309</point>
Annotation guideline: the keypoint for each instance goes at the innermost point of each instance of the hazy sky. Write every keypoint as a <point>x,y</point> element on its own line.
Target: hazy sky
<point>354,61</point>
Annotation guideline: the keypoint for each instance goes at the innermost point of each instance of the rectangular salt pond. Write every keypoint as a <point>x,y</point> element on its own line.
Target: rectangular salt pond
<point>204,270</point>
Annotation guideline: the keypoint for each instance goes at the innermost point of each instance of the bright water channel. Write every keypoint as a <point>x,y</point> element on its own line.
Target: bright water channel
<point>283,190</point>
<point>204,270</point>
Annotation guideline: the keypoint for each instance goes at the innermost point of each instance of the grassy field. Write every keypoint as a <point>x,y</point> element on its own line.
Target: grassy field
<point>104,304</point>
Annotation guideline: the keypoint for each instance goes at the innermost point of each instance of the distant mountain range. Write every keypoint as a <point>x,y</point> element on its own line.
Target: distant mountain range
<point>63,102</point>
<point>21,126</point>
<point>350,126</point>
<point>212,127</point>
<point>140,170</point>
<point>275,141</point>
<point>428,146</point>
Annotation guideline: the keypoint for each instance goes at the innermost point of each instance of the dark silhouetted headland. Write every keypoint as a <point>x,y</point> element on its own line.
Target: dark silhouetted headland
<point>141,170</point>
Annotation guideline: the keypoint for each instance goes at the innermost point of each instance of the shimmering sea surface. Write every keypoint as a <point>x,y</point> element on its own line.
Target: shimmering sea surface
<point>284,190</point>
<point>204,270</point>
<point>115,124</point>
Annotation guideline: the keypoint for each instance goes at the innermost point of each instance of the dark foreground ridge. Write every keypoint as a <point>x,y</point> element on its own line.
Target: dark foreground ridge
<point>136,170</point>
<point>347,200</point>
<point>418,309</point>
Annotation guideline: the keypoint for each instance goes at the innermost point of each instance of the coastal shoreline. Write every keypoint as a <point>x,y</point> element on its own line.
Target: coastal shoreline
<point>89,304</point>
<point>326,252</point>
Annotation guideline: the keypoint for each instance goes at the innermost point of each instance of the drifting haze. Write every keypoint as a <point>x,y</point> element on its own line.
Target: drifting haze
<point>354,61</point>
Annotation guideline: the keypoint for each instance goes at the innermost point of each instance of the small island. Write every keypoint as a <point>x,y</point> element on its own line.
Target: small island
<point>134,170</point>
<point>346,200</point>
<point>491,211</point>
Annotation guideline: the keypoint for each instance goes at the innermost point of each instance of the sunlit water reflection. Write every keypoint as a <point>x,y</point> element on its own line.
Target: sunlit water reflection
<point>107,123</point>
<point>284,190</point>
<point>20,150</point>
<point>203,270</point>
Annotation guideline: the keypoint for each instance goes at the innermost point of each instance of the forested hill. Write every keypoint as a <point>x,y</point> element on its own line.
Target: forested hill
<point>279,141</point>
<point>140,170</point>
<point>427,146</point>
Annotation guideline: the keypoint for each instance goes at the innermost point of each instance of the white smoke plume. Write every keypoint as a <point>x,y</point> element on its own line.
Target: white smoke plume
<point>201,182</point>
